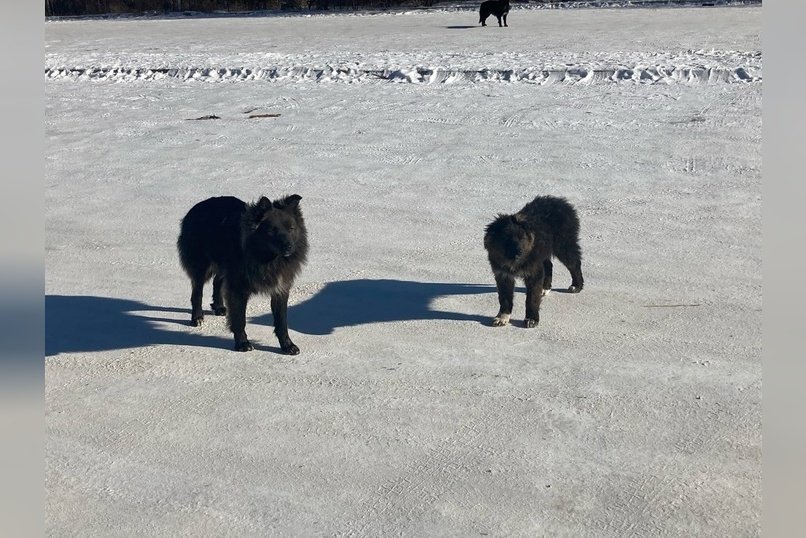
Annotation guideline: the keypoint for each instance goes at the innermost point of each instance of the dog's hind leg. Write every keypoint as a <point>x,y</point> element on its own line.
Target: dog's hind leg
<point>279,309</point>
<point>218,303</point>
<point>505,284</point>
<point>236,317</point>
<point>198,276</point>
<point>548,271</point>
<point>196,312</point>
<point>571,257</point>
<point>534,293</point>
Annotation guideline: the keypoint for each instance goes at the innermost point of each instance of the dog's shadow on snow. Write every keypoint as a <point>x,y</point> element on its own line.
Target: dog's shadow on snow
<point>78,323</point>
<point>349,303</point>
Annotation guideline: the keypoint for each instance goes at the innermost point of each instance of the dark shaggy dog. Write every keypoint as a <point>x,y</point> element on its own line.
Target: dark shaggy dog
<point>499,8</point>
<point>248,248</point>
<point>521,245</point>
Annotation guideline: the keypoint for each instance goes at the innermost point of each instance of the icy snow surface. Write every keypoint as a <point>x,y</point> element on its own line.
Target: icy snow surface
<point>633,409</point>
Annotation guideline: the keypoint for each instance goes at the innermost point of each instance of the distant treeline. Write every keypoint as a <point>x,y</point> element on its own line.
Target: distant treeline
<point>102,7</point>
<point>55,8</point>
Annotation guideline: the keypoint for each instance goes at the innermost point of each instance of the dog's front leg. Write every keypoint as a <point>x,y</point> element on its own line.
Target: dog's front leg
<point>505,19</point>
<point>534,293</point>
<point>236,317</point>
<point>506,291</point>
<point>279,309</point>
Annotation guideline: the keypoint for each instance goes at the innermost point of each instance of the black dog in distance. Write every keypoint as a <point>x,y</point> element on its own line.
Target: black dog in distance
<point>246,249</point>
<point>521,246</point>
<point>499,8</point>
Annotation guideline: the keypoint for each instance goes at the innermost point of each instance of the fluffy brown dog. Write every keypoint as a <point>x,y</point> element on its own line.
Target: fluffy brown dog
<point>521,246</point>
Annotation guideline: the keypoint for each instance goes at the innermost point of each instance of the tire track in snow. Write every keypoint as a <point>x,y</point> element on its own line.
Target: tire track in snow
<point>698,75</point>
<point>651,496</point>
<point>423,482</point>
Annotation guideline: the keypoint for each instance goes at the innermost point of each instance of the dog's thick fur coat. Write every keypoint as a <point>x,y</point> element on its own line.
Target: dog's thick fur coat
<point>521,246</point>
<point>499,8</point>
<point>246,249</point>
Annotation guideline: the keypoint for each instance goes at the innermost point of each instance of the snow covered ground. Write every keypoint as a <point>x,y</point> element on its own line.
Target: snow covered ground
<point>634,408</point>
<point>539,46</point>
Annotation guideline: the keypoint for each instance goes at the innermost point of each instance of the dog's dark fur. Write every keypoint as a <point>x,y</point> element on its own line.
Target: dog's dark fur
<point>248,249</point>
<point>499,8</point>
<point>521,245</point>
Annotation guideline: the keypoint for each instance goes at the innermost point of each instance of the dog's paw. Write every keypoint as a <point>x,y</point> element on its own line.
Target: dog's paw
<point>574,289</point>
<point>500,321</point>
<point>219,310</point>
<point>545,292</point>
<point>197,322</point>
<point>290,349</point>
<point>244,346</point>
<point>530,323</point>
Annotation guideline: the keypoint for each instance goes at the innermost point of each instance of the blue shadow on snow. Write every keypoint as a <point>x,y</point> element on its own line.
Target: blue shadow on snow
<point>76,323</point>
<point>348,303</point>
<point>79,323</point>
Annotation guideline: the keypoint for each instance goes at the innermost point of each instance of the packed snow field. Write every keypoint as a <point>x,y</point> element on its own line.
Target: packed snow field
<point>539,47</point>
<point>634,408</point>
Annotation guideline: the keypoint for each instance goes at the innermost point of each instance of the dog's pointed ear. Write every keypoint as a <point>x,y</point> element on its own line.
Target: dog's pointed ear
<point>519,219</point>
<point>264,204</point>
<point>259,210</point>
<point>289,202</point>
